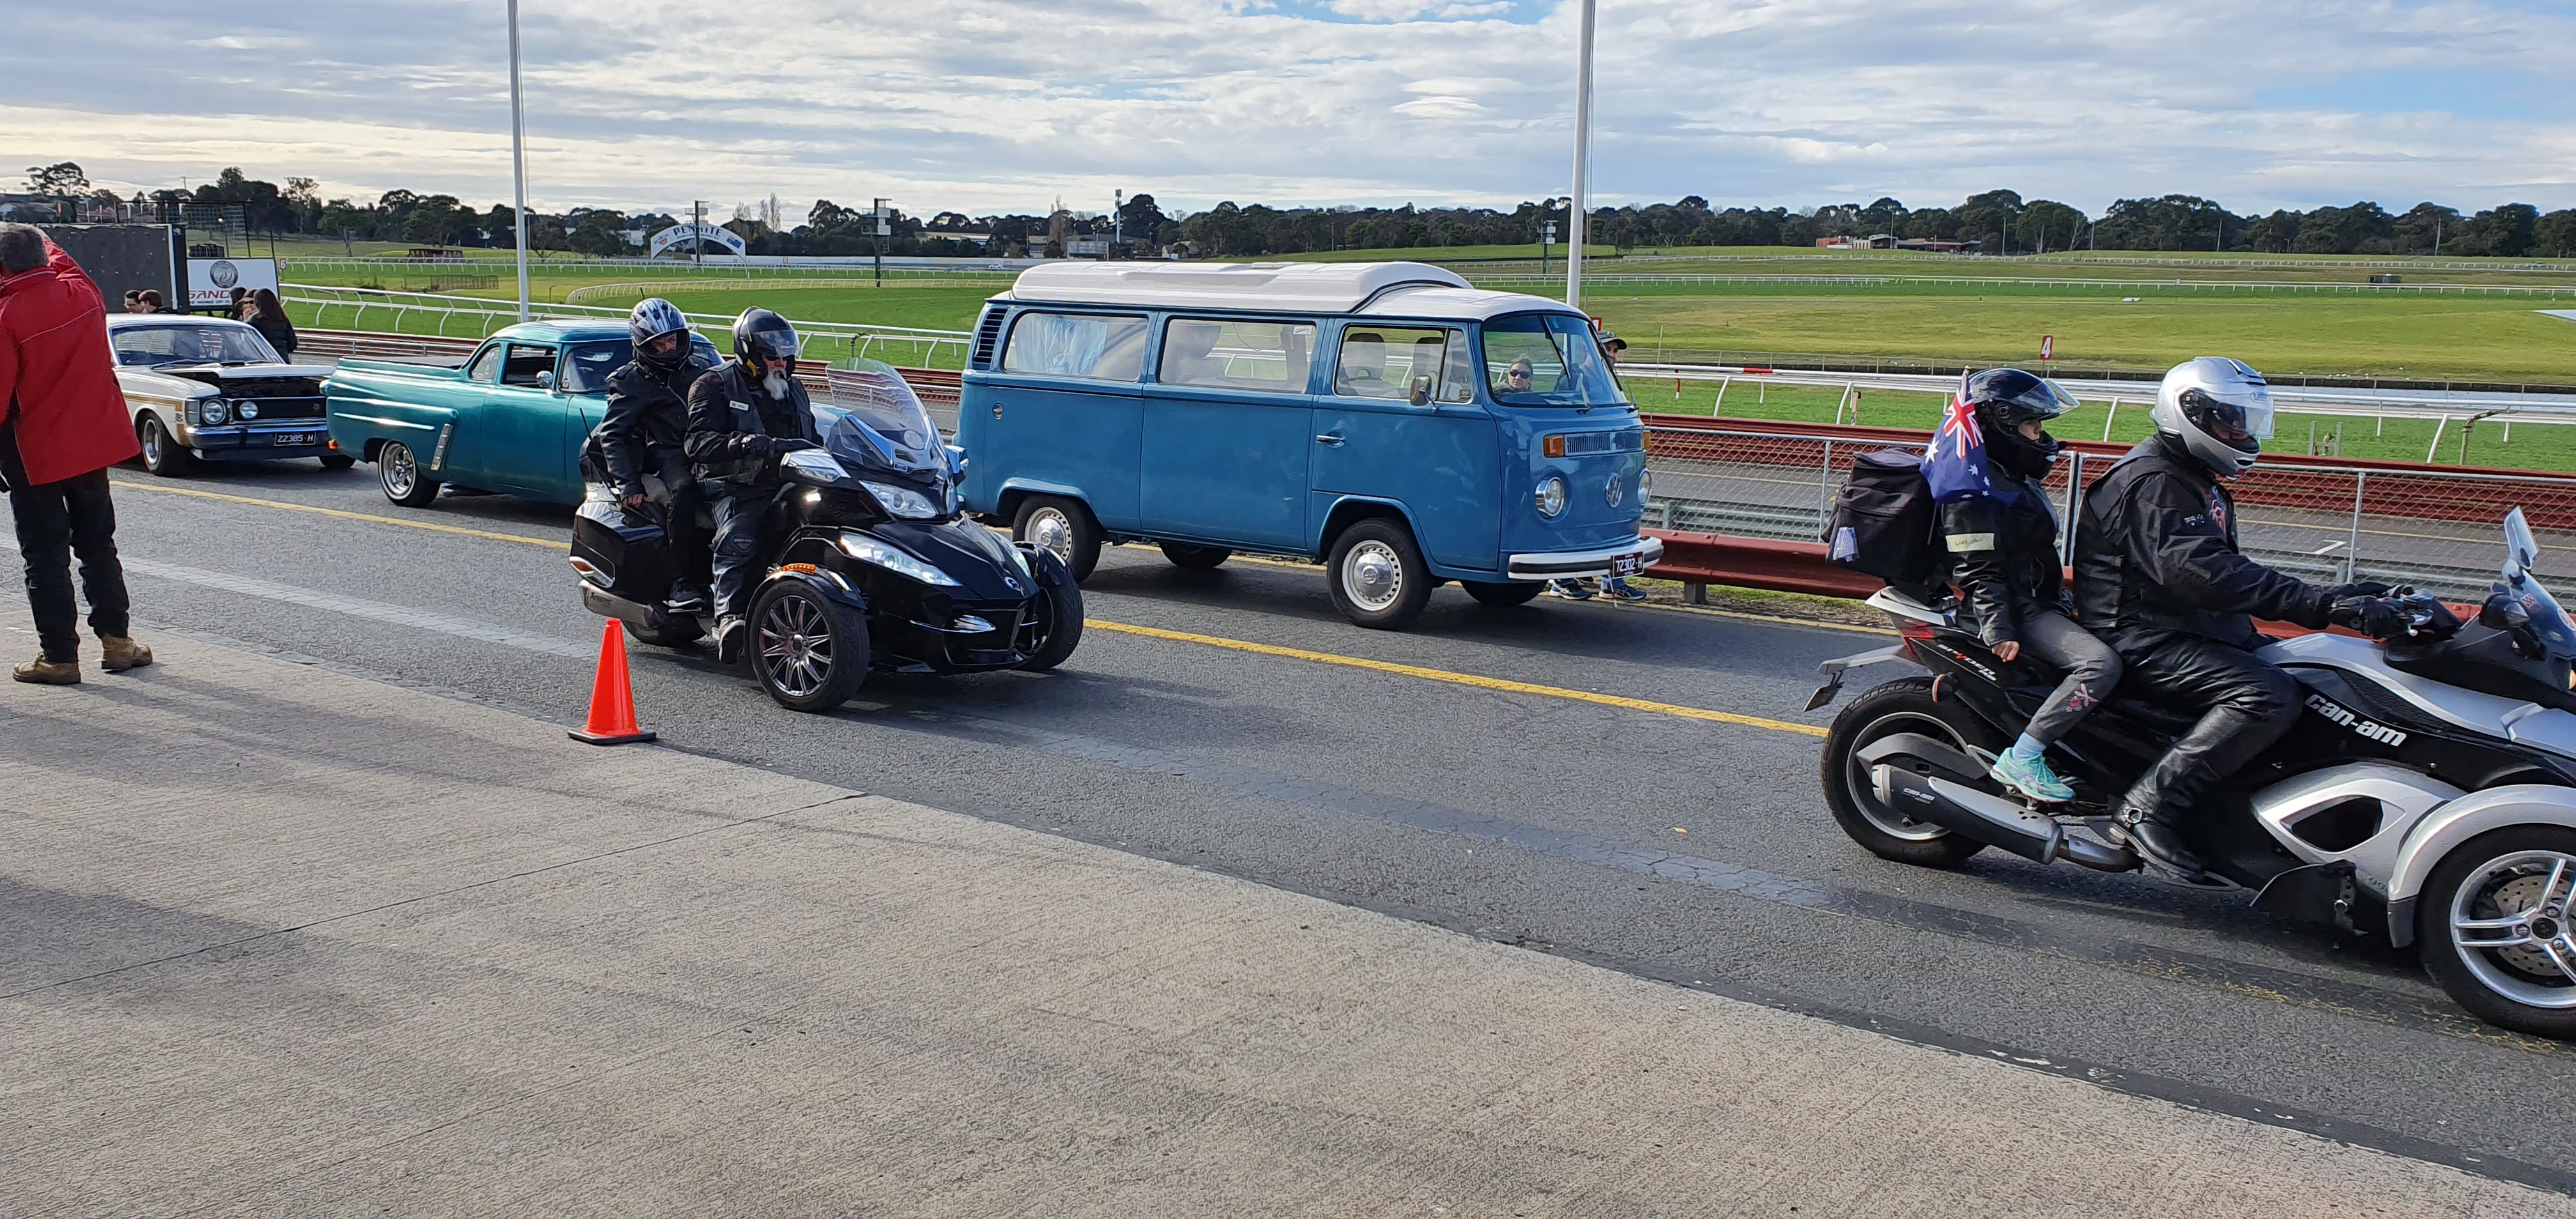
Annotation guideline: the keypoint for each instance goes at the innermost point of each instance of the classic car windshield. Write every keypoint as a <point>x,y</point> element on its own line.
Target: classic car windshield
<point>897,431</point>
<point>202,343</point>
<point>1547,359</point>
<point>586,366</point>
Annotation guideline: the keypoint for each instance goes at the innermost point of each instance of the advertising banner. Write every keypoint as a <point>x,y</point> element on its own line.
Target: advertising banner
<point>677,233</point>
<point>211,280</point>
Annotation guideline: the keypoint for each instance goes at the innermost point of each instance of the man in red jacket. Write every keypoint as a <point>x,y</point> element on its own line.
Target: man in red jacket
<point>63,424</point>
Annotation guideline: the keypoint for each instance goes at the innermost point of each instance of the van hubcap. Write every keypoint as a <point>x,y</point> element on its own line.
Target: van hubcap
<point>2509,921</point>
<point>1051,532</point>
<point>1372,575</point>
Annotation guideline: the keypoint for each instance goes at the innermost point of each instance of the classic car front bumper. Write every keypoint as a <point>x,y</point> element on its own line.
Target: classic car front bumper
<point>259,441</point>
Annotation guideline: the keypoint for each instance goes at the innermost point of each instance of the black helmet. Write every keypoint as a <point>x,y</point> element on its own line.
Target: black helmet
<point>652,318</point>
<point>2007,398</point>
<point>761,336</point>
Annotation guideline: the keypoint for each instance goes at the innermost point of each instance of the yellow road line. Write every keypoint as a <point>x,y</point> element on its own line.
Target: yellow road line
<point>130,485</point>
<point>1459,679</point>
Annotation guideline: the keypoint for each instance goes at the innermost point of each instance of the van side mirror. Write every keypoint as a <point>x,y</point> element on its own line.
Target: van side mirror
<point>546,379</point>
<point>1421,391</point>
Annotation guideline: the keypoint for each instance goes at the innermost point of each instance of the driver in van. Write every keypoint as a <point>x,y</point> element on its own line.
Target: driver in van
<point>645,432</point>
<point>743,415</point>
<point>2159,577</point>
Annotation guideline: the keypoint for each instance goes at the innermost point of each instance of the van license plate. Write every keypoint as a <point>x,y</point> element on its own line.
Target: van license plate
<point>1626,565</point>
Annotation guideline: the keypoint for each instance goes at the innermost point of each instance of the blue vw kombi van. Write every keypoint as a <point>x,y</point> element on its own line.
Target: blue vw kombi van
<point>1385,418</point>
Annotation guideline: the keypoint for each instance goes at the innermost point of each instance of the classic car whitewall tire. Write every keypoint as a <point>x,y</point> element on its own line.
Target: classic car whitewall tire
<point>162,452</point>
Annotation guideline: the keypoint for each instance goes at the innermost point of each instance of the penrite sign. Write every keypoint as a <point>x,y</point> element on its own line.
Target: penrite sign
<point>678,233</point>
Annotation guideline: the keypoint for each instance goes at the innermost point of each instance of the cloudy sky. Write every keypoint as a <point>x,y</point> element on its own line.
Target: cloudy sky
<point>988,105</point>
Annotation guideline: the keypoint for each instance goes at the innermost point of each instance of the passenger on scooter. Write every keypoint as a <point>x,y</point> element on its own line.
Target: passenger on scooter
<point>645,431</point>
<point>2158,575</point>
<point>1998,539</point>
<point>742,416</point>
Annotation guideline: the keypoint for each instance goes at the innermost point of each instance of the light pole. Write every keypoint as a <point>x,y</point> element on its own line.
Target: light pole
<point>1579,215</point>
<point>518,162</point>
<point>883,229</point>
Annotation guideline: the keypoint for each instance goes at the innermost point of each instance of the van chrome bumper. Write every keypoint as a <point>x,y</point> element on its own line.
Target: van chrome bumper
<point>1577,564</point>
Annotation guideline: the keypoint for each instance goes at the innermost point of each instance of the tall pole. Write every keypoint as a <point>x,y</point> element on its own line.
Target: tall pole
<point>1578,212</point>
<point>518,162</point>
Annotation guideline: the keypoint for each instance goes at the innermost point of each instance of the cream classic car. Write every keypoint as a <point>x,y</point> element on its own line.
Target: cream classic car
<point>209,389</point>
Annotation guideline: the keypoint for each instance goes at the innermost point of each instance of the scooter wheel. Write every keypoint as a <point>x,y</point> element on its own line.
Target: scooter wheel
<point>1058,629</point>
<point>809,651</point>
<point>1903,705</point>
<point>2492,925</point>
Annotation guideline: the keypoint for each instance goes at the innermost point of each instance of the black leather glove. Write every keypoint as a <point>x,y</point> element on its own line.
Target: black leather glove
<point>2369,615</point>
<point>2359,588</point>
<point>789,444</point>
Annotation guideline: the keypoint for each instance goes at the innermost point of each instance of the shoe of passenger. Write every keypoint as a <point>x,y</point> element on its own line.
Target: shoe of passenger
<point>43,672</point>
<point>2031,778</point>
<point>686,599</point>
<point>1571,590</point>
<point>730,634</point>
<point>122,654</point>
<point>1620,590</point>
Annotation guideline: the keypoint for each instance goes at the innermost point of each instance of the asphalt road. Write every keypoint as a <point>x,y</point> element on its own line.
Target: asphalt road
<point>1666,845</point>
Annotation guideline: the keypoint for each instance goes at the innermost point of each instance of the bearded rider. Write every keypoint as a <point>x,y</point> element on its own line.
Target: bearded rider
<point>743,415</point>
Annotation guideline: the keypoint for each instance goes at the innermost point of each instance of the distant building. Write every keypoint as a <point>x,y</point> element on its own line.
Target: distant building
<point>1932,245</point>
<point>1878,241</point>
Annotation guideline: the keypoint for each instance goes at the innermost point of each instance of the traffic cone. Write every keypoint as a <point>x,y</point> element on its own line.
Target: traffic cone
<point>612,699</point>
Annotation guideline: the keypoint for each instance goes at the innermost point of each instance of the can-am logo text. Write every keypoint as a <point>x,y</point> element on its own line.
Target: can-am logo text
<point>2379,732</point>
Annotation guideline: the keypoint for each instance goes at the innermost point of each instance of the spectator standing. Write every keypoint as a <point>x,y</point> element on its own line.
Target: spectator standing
<point>134,300</point>
<point>241,296</point>
<point>63,426</point>
<point>1615,588</point>
<point>268,317</point>
<point>150,299</point>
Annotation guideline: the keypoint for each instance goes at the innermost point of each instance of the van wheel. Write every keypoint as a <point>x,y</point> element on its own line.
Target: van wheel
<point>810,651</point>
<point>1501,595</point>
<point>1903,705</point>
<point>1063,526</point>
<point>1196,558</point>
<point>162,453</point>
<point>398,469</point>
<point>2493,928</point>
<point>1376,575</point>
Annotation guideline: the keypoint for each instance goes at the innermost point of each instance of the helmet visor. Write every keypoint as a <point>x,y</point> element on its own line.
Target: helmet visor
<point>2239,423</point>
<point>2012,396</point>
<point>773,342</point>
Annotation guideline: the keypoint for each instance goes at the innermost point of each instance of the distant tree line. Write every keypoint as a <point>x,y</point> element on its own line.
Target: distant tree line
<point>1998,221</point>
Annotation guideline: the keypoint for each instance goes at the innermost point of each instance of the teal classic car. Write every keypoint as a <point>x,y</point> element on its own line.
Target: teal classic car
<point>509,418</point>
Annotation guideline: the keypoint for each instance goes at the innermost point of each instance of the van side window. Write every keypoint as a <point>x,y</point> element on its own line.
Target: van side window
<point>1273,356</point>
<point>1083,345</point>
<point>1388,361</point>
<point>487,366</point>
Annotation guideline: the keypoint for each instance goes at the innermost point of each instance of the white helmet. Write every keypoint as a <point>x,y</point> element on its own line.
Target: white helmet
<point>2219,409</point>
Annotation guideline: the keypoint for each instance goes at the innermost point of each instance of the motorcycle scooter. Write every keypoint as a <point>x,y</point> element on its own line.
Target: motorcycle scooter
<point>872,566</point>
<point>2427,792</point>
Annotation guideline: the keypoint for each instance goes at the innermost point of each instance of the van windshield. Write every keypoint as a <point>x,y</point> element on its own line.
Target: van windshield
<point>1548,359</point>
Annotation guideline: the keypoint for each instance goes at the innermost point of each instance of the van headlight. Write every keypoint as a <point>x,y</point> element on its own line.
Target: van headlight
<point>1551,496</point>
<point>903,503</point>
<point>1645,487</point>
<point>883,554</point>
<point>212,410</point>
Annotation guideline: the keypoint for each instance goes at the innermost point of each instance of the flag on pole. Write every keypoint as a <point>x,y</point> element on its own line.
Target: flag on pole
<point>1956,465</point>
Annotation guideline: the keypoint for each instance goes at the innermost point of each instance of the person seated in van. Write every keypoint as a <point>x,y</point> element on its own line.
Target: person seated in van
<point>1518,378</point>
<point>1998,537</point>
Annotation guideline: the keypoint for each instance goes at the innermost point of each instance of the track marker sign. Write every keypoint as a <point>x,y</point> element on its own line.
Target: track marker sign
<point>2048,347</point>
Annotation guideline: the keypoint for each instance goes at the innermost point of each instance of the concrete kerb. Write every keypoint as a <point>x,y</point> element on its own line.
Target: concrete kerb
<point>373,948</point>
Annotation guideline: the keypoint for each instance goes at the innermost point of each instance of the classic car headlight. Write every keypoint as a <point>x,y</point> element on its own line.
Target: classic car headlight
<point>211,410</point>
<point>903,502</point>
<point>872,550</point>
<point>1645,487</point>
<point>247,410</point>
<point>1551,496</point>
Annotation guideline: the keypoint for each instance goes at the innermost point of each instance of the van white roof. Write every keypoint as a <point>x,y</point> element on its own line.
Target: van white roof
<point>1285,287</point>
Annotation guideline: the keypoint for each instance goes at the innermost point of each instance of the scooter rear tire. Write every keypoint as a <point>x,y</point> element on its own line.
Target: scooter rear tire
<point>1903,705</point>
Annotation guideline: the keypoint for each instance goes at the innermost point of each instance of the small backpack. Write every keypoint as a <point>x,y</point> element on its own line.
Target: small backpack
<point>1883,519</point>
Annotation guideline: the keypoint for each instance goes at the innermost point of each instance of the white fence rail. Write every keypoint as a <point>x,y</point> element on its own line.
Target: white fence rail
<point>476,316</point>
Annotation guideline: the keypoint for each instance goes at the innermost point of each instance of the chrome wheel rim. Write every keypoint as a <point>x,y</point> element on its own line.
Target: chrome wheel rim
<point>1864,792</point>
<point>1372,575</point>
<point>795,646</point>
<point>2510,921</point>
<point>1052,532</point>
<point>152,442</point>
<point>401,472</point>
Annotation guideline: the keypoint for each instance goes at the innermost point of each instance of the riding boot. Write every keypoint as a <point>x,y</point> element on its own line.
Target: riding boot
<point>2152,826</point>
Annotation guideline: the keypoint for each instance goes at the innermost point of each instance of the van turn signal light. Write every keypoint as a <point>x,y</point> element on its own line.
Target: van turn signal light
<point>1552,446</point>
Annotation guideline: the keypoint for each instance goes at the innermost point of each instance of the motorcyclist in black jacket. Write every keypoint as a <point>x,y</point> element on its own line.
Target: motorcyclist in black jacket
<point>2000,548</point>
<point>742,416</point>
<point>645,431</point>
<point>2159,576</point>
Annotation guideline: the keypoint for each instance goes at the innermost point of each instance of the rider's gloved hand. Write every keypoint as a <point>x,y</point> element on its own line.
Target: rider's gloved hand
<point>2369,615</point>
<point>631,495</point>
<point>2359,588</point>
<point>789,444</point>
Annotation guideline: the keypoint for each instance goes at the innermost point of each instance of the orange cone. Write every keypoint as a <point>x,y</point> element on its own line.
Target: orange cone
<point>612,699</point>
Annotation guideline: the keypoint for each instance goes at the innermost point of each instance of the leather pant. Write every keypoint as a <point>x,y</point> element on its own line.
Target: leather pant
<point>2250,705</point>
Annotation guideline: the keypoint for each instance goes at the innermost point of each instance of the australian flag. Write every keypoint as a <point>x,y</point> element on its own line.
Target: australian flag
<point>1956,466</point>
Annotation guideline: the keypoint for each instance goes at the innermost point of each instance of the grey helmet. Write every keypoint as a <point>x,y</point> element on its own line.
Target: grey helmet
<point>2219,409</point>
<point>652,318</point>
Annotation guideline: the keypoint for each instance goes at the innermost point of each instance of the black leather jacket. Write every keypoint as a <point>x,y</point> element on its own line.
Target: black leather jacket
<point>648,409</point>
<point>735,427</point>
<point>2003,556</point>
<point>2156,556</point>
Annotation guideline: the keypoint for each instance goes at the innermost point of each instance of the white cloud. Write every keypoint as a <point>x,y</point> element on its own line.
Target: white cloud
<point>991,104</point>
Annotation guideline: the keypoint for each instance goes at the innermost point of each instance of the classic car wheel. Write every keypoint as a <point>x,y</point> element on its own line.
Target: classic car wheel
<point>810,651</point>
<point>162,452</point>
<point>338,461</point>
<point>1063,526</point>
<point>404,481</point>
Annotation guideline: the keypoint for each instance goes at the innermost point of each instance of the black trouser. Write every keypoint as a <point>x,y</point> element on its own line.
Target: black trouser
<point>55,521</point>
<point>2250,703</point>
<point>685,539</point>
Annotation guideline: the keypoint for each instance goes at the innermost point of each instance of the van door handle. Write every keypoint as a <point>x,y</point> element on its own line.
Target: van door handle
<point>1333,439</point>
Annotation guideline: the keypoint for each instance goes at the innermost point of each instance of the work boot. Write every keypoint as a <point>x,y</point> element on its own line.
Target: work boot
<point>730,632</point>
<point>122,654</point>
<point>2154,834</point>
<point>43,672</point>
